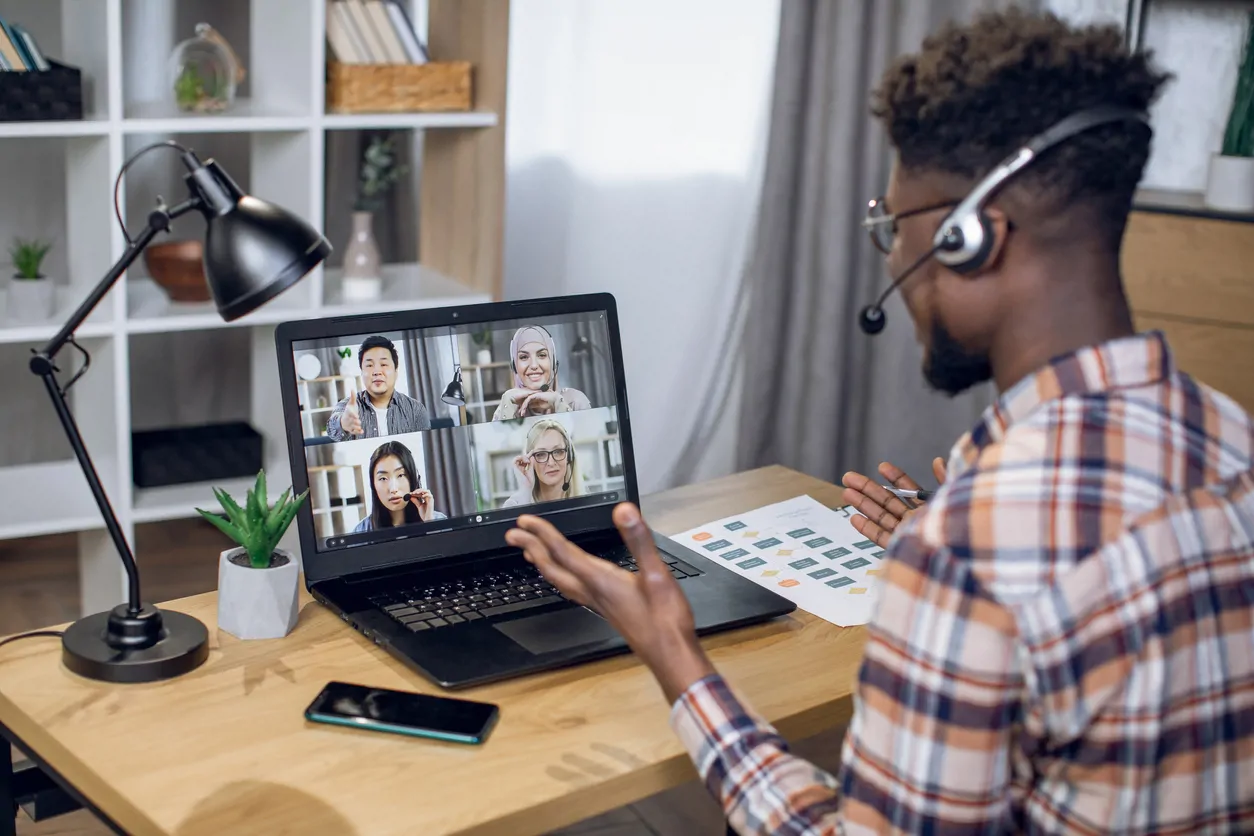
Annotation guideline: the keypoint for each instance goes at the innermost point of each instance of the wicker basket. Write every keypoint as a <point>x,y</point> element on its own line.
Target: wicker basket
<point>398,88</point>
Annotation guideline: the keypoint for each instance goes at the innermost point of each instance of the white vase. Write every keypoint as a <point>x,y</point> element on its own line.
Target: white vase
<point>1230,183</point>
<point>258,603</point>
<point>362,280</point>
<point>31,300</point>
<point>484,357</point>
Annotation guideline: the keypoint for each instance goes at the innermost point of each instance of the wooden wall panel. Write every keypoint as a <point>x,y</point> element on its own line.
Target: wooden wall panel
<point>463,171</point>
<point>1192,267</point>
<point>1218,355</point>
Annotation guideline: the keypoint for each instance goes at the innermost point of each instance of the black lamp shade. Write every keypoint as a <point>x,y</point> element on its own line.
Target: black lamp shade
<point>254,252</point>
<point>453,394</point>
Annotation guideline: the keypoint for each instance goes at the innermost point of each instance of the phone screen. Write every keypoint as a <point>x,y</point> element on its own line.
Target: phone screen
<point>422,715</point>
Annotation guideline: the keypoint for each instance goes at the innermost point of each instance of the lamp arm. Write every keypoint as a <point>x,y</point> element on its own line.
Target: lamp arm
<point>158,222</point>
<point>43,365</point>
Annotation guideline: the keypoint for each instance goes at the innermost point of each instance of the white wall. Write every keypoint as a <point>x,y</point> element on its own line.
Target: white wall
<point>1200,41</point>
<point>634,132</point>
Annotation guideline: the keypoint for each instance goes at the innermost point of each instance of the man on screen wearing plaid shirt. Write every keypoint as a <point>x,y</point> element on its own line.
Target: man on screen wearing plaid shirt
<point>1064,639</point>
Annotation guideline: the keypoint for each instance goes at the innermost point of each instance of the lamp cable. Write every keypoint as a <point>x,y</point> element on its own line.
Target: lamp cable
<point>117,182</point>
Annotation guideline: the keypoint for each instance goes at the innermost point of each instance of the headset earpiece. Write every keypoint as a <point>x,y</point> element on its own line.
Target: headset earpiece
<point>964,240</point>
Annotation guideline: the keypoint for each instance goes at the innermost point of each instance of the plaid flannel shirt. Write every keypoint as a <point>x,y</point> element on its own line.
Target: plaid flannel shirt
<point>1037,661</point>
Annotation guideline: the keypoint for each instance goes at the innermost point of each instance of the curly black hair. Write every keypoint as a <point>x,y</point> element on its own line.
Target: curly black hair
<point>975,93</point>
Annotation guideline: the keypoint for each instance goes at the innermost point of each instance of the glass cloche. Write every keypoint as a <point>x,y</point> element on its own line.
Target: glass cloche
<point>204,71</point>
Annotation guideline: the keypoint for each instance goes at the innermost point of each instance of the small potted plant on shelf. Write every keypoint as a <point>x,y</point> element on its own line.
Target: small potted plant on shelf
<point>483,339</point>
<point>379,173</point>
<point>258,583</point>
<point>1230,180</point>
<point>32,295</point>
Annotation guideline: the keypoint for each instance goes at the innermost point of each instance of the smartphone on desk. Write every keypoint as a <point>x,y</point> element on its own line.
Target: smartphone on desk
<point>402,712</point>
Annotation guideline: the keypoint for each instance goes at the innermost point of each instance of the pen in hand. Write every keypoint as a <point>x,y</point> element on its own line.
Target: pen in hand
<point>921,495</point>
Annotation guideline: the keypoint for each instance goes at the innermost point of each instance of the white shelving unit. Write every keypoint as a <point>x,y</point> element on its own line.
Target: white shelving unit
<point>285,127</point>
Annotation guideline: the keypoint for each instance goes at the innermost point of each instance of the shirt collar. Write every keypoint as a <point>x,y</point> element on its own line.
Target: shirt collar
<point>1128,362</point>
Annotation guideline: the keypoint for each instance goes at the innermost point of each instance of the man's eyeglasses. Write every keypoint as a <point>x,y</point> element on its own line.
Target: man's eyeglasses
<point>881,224</point>
<point>542,456</point>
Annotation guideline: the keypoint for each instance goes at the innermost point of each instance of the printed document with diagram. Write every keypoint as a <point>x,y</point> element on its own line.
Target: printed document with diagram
<point>803,550</point>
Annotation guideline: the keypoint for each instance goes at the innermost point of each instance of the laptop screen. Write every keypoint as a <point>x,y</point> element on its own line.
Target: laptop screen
<point>409,433</point>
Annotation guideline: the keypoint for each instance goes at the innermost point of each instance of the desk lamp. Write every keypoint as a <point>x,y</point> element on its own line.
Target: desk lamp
<point>253,252</point>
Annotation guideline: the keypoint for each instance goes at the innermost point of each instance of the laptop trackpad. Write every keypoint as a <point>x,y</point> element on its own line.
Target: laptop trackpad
<point>561,630</point>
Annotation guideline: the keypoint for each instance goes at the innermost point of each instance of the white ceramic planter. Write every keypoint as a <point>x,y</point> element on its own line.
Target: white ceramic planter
<point>484,357</point>
<point>362,288</point>
<point>1230,183</point>
<point>257,603</point>
<point>31,300</point>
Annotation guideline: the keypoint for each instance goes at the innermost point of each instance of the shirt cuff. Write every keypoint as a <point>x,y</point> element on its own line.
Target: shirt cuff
<point>709,720</point>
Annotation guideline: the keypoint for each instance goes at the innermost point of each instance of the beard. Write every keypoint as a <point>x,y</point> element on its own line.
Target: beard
<point>950,368</point>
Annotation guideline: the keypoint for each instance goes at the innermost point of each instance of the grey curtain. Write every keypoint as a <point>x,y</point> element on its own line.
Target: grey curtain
<point>818,394</point>
<point>447,451</point>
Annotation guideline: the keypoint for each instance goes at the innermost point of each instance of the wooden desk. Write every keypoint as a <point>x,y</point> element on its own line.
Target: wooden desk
<point>226,749</point>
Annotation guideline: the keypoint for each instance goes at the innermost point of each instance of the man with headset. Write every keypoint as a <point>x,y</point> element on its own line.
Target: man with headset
<point>981,706</point>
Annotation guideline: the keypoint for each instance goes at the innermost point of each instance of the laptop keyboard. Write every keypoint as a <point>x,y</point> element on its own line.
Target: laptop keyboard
<point>429,606</point>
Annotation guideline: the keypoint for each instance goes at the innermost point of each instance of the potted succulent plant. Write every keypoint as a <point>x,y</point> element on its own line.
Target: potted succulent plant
<point>258,583</point>
<point>1230,179</point>
<point>379,173</point>
<point>32,295</point>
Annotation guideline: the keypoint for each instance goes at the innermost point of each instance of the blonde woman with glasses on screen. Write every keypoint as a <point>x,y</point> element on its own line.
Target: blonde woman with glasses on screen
<point>547,466</point>
<point>533,355</point>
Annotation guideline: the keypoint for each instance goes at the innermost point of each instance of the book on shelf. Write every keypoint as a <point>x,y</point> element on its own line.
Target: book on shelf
<point>19,52</point>
<point>372,32</point>
<point>10,56</point>
<point>32,49</point>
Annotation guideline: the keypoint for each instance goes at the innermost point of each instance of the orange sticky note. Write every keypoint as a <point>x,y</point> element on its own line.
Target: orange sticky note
<point>791,582</point>
<point>704,535</point>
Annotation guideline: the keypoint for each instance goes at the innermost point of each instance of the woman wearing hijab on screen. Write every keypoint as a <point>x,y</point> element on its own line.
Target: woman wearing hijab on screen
<point>397,494</point>
<point>547,466</point>
<point>536,389</point>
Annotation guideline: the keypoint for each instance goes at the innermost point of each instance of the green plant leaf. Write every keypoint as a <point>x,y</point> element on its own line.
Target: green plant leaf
<point>256,513</point>
<point>259,556</point>
<point>225,527</point>
<point>1238,138</point>
<point>256,527</point>
<point>27,256</point>
<point>287,515</point>
<point>272,518</point>
<point>233,511</point>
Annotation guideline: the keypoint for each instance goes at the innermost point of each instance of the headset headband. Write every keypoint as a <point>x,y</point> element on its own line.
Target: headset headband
<point>962,241</point>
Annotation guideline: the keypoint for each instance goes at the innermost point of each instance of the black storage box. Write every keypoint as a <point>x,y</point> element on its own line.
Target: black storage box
<point>54,94</point>
<point>180,455</point>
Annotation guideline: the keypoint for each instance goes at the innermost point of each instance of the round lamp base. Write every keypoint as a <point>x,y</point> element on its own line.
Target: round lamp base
<point>116,647</point>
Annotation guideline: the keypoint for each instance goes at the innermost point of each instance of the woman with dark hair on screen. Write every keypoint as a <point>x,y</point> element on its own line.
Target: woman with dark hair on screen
<point>536,390</point>
<point>547,466</point>
<point>398,497</point>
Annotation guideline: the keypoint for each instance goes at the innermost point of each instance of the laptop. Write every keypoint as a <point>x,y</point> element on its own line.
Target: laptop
<point>422,435</point>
